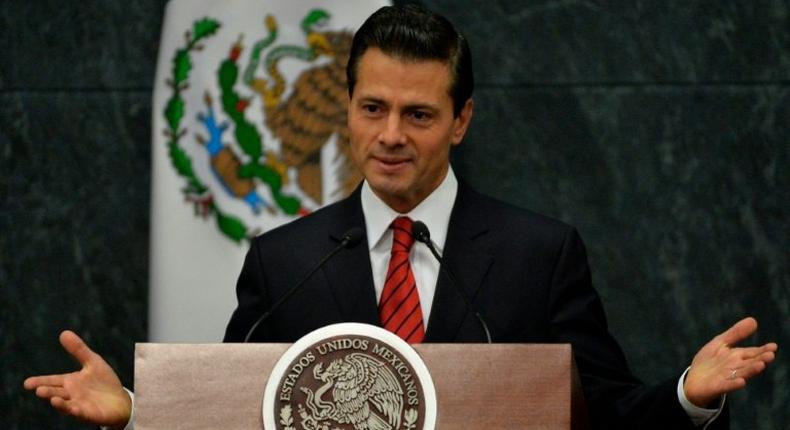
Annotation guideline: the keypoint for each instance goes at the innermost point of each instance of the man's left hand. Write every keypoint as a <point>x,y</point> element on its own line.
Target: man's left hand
<point>720,367</point>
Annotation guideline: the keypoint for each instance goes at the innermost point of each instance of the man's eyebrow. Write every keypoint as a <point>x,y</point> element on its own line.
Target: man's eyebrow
<point>408,107</point>
<point>420,106</point>
<point>371,99</point>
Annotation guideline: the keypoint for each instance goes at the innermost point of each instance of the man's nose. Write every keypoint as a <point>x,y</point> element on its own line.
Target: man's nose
<point>392,133</point>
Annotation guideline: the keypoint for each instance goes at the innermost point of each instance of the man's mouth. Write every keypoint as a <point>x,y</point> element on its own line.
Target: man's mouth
<point>391,163</point>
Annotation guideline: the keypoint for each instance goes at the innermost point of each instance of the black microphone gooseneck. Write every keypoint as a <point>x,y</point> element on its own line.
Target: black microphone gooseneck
<point>349,240</point>
<point>420,232</point>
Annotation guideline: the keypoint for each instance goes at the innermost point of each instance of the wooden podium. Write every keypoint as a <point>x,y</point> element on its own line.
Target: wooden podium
<point>478,386</point>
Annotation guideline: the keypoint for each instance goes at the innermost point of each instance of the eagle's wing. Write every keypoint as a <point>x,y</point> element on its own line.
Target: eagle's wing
<point>381,388</point>
<point>367,379</point>
<point>351,405</point>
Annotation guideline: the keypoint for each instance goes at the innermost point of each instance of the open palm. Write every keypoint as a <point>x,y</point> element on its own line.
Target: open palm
<point>720,367</point>
<point>92,394</point>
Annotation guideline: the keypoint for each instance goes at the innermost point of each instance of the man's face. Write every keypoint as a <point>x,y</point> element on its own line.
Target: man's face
<point>402,126</point>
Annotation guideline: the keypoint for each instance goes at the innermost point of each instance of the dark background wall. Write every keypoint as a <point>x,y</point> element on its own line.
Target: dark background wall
<point>659,128</point>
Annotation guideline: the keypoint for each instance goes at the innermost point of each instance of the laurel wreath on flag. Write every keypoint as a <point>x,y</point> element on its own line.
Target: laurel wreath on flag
<point>262,165</point>
<point>174,114</point>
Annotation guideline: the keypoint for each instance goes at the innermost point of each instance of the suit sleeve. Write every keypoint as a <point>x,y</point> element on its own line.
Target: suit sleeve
<point>252,299</point>
<point>616,398</point>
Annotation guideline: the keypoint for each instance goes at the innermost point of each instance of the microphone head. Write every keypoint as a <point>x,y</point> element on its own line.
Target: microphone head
<point>420,232</point>
<point>352,237</point>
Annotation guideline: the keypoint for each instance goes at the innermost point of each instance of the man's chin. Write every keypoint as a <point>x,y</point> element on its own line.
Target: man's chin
<point>388,188</point>
<point>396,194</point>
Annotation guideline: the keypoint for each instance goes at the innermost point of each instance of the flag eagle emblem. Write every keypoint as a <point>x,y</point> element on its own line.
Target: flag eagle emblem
<point>262,143</point>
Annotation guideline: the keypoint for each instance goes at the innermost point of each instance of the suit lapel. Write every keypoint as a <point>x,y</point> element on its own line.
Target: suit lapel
<point>348,273</point>
<point>350,278</point>
<point>467,258</point>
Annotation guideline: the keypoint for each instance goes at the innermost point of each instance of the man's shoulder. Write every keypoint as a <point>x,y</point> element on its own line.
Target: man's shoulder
<point>318,224</point>
<point>507,217</point>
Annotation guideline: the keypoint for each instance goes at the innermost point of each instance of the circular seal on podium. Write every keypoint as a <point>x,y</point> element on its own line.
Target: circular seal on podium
<point>350,376</point>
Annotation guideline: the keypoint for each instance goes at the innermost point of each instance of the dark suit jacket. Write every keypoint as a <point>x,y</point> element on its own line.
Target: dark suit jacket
<point>527,274</point>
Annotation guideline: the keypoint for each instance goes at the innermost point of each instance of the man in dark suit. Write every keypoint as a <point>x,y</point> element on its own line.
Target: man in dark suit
<point>410,86</point>
<point>527,274</point>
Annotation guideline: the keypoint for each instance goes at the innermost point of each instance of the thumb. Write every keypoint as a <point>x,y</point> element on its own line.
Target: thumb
<point>739,331</point>
<point>75,346</point>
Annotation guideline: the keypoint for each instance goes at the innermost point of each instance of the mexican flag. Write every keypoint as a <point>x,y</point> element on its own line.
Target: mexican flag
<point>249,132</point>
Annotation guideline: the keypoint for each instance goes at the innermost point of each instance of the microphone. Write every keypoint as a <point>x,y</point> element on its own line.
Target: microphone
<point>349,240</point>
<point>420,233</point>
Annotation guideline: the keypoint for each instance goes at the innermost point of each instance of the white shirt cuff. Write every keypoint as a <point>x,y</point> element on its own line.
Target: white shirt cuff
<point>699,416</point>
<point>130,424</point>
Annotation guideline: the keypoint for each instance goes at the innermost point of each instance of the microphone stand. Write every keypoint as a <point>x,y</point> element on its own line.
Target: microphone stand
<point>421,234</point>
<point>350,239</point>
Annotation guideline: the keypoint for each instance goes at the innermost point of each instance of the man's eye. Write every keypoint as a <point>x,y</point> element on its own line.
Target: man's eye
<point>371,108</point>
<point>420,116</point>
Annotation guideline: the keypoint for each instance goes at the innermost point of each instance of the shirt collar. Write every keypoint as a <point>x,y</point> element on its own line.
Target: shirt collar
<point>434,211</point>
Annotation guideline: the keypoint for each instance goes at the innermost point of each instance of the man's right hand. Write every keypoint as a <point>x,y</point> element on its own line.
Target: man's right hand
<point>93,394</point>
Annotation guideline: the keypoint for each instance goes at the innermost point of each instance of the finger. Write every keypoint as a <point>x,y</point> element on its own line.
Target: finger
<point>748,353</point>
<point>751,370</point>
<point>739,331</point>
<point>748,368</point>
<point>46,392</point>
<point>61,405</point>
<point>756,351</point>
<point>58,404</point>
<point>765,358</point>
<point>771,346</point>
<point>67,407</point>
<point>731,385</point>
<point>34,382</point>
<point>75,346</point>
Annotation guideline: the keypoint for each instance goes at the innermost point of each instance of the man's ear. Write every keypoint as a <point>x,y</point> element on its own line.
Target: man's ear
<point>462,122</point>
<point>348,109</point>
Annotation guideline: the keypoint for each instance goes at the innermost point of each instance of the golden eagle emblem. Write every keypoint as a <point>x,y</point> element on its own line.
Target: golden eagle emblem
<point>365,394</point>
<point>262,131</point>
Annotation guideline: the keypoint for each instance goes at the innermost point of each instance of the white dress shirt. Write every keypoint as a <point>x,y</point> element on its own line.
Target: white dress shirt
<point>434,211</point>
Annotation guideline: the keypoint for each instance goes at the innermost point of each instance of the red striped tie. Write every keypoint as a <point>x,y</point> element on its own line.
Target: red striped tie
<point>399,307</point>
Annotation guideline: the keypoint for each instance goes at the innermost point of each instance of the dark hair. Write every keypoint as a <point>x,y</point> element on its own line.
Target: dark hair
<point>412,33</point>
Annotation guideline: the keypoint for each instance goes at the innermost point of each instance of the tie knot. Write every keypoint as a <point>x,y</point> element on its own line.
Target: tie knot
<point>402,238</point>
